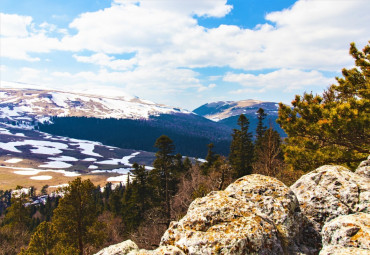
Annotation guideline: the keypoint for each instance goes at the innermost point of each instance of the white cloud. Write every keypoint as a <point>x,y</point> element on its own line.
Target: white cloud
<point>14,25</point>
<point>286,79</point>
<point>19,37</point>
<point>204,88</point>
<point>208,8</point>
<point>168,42</point>
<point>104,60</point>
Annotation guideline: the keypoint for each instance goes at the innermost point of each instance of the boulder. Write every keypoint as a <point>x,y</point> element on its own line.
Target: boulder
<point>364,168</point>
<point>348,231</point>
<point>331,191</point>
<point>340,250</point>
<point>119,249</point>
<point>255,214</point>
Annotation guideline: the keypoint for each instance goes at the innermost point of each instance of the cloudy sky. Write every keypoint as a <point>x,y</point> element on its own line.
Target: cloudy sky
<point>181,52</point>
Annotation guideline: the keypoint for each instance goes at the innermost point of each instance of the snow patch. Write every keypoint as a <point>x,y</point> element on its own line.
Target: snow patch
<point>63,158</point>
<point>13,160</point>
<point>56,164</point>
<point>41,177</point>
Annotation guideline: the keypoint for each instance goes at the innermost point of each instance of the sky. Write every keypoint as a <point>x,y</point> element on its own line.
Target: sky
<point>182,53</point>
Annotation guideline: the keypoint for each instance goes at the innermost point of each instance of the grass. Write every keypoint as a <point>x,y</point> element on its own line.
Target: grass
<point>10,180</point>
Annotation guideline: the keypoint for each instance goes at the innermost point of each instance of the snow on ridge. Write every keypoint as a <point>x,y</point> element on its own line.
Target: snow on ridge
<point>40,104</point>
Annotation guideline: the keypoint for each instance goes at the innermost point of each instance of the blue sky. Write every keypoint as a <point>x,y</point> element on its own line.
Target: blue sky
<point>180,53</point>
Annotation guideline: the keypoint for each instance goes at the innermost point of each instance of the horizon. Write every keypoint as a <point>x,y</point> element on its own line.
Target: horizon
<point>182,54</point>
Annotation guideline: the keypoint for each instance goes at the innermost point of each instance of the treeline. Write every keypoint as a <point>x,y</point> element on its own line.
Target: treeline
<point>190,133</point>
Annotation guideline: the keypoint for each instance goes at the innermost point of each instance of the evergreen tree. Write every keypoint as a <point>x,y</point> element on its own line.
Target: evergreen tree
<point>211,159</point>
<point>261,115</point>
<point>43,240</point>
<point>17,215</point>
<point>165,173</point>
<point>335,127</point>
<point>241,149</point>
<point>75,218</point>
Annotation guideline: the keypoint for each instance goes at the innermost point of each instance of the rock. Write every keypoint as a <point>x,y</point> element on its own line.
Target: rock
<point>255,214</point>
<point>162,250</point>
<point>348,231</point>
<point>331,191</point>
<point>364,168</point>
<point>339,250</point>
<point>119,249</point>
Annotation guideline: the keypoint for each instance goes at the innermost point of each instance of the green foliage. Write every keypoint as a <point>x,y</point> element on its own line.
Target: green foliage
<point>43,241</point>
<point>164,176</point>
<point>211,159</point>
<point>75,218</point>
<point>241,149</point>
<point>333,128</point>
<point>17,215</point>
<point>261,115</point>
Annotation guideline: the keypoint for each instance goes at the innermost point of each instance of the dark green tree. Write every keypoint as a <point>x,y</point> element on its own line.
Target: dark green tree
<point>164,173</point>
<point>211,159</point>
<point>75,218</point>
<point>241,149</point>
<point>335,127</point>
<point>18,215</point>
<point>261,115</point>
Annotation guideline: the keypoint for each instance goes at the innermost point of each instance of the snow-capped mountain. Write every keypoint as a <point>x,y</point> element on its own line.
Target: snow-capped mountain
<point>217,111</point>
<point>32,104</point>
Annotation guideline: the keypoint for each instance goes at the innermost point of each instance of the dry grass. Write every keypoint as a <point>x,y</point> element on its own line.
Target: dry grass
<point>10,180</point>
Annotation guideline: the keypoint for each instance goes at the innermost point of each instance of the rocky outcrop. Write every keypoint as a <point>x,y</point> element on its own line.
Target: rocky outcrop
<point>260,215</point>
<point>331,191</point>
<point>255,214</point>
<point>130,248</point>
<point>364,168</point>
<point>119,249</point>
<point>348,231</point>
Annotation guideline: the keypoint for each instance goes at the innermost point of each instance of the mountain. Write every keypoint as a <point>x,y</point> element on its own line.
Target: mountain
<point>30,105</point>
<point>122,121</point>
<point>227,113</point>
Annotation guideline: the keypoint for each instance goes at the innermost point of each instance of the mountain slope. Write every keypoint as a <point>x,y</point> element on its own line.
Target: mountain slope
<point>227,113</point>
<point>122,121</point>
<point>31,104</point>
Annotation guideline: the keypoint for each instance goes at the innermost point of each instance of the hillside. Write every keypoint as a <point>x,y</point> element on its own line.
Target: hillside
<point>30,104</point>
<point>227,113</point>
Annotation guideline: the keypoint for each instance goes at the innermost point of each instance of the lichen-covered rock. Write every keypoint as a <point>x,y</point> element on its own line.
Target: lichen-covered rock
<point>364,168</point>
<point>219,224</point>
<point>348,231</point>
<point>119,249</point>
<point>331,191</point>
<point>255,214</point>
<point>340,250</point>
<point>162,250</point>
<point>270,198</point>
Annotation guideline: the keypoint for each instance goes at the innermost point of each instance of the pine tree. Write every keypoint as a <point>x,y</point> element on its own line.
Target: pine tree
<point>75,218</point>
<point>241,149</point>
<point>211,159</point>
<point>261,115</point>
<point>43,240</point>
<point>18,215</point>
<point>335,127</point>
<point>165,173</point>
